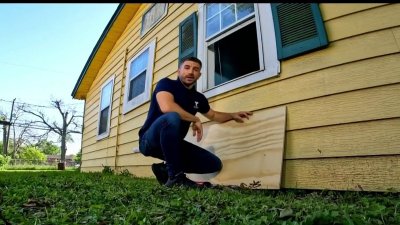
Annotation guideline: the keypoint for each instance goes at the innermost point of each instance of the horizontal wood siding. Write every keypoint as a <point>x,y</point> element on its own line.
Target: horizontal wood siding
<point>124,128</point>
<point>343,115</point>
<point>377,173</point>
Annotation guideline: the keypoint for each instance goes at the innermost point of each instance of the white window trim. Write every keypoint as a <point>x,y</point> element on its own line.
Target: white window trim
<point>107,133</point>
<point>145,96</point>
<point>270,65</point>
<point>143,33</point>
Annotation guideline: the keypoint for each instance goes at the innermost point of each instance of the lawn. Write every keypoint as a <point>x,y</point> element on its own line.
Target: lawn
<point>70,197</point>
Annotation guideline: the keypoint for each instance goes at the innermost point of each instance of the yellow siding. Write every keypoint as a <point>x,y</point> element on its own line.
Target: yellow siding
<point>136,159</point>
<point>343,116</point>
<point>349,173</point>
<point>396,34</point>
<point>361,105</point>
<point>140,171</point>
<point>363,22</point>
<point>333,10</point>
<point>377,137</point>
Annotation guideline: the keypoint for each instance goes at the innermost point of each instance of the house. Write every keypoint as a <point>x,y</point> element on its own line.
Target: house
<point>333,68</point>
<point>54,159</point>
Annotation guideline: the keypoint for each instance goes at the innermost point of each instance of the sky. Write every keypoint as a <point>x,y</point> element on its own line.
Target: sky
<point>43,49</point>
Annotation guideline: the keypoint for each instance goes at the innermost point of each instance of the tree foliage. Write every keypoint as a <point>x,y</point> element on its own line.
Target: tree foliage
<point>32,153</point>
<point>4,160</point>
<point>48,147</point>
<point>78,158</point>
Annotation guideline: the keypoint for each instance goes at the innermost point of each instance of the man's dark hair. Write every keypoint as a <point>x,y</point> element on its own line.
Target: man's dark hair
<point>193,59</point>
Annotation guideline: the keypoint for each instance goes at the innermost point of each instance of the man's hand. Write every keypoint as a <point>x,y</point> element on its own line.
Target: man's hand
<point>239,116</point>
<point>197,128</point>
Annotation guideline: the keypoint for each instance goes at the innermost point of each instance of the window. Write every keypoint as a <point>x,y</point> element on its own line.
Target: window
<point>139,78</point>
<point>105,108</point>
<point>221,16</point>
<point>237,46</point>
<point>153,16</point>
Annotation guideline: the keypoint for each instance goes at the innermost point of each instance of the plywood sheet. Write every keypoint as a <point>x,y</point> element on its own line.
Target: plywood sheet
<point>250,152</point>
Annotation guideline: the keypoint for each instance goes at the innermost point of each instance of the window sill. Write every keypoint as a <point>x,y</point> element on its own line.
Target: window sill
<point>241,82</point>
<point>103,136</point>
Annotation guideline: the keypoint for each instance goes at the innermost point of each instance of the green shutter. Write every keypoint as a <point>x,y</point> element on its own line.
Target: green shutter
<point>188,37</point>
<point>299,28</point>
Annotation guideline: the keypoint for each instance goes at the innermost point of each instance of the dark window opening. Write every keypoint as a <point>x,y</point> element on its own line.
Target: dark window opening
<point>103,120</point>
<point>236,55</point>
<point>137,85</point>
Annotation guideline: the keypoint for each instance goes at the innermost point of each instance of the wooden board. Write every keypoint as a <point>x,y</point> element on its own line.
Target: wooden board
<point>250,151</point>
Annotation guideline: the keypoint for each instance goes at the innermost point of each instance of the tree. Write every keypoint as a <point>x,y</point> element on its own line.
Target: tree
<point>69,123</point>
<point>23,131</point>
<point>78,158</point>
<point>32,153</point>
<point>47,147</point>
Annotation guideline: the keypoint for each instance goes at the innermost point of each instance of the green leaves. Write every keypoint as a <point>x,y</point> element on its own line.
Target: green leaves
<point>68,197</point>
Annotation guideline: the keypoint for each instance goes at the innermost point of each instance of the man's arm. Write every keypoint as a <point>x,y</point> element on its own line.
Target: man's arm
<point>222,117</point>
<point>167,103</point>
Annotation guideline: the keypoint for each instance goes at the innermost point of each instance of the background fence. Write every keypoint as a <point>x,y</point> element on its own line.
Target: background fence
<point>20,162</point>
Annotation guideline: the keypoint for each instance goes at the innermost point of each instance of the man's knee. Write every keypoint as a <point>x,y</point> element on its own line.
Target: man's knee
<point>172,119</point>
<point>217,165</point>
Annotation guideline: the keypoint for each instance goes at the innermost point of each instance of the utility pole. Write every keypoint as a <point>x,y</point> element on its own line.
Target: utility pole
<point>8,132</point>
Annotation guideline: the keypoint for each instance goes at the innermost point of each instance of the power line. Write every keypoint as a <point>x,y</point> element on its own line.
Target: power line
<point>32,127</point>
<point>41,106</point>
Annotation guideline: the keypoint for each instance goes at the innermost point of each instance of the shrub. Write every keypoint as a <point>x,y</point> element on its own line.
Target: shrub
<point>4,160</point>
<point>107,170</point>
<point>33,153</point>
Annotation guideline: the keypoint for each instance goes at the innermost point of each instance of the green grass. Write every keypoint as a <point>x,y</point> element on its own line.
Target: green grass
<point>69,197</point>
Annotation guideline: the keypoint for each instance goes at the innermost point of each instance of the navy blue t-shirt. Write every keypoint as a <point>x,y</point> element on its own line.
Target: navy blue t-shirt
<point>189,99</point>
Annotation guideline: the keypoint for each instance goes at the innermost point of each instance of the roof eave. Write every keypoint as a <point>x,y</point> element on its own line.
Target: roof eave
<point>81,87</point>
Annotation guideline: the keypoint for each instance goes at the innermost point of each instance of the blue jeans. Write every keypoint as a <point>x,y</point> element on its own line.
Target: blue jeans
<point>162,140</point>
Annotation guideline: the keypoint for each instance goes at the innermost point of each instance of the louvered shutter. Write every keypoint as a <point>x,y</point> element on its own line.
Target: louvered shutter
<point>299,28</point>
<point>188,37</point>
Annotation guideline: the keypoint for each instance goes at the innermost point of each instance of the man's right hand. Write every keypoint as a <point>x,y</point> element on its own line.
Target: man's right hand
<point>197,128</point>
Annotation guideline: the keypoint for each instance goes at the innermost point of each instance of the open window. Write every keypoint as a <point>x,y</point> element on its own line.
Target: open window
<point>242,43</point>
<point>237,46</point>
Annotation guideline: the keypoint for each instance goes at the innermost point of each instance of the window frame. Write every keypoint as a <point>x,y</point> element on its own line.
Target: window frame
<point>107,132</point>
<point>144,32</point>
<point>269,63</point>
<point>145,96</point>
<point>225,29</point>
